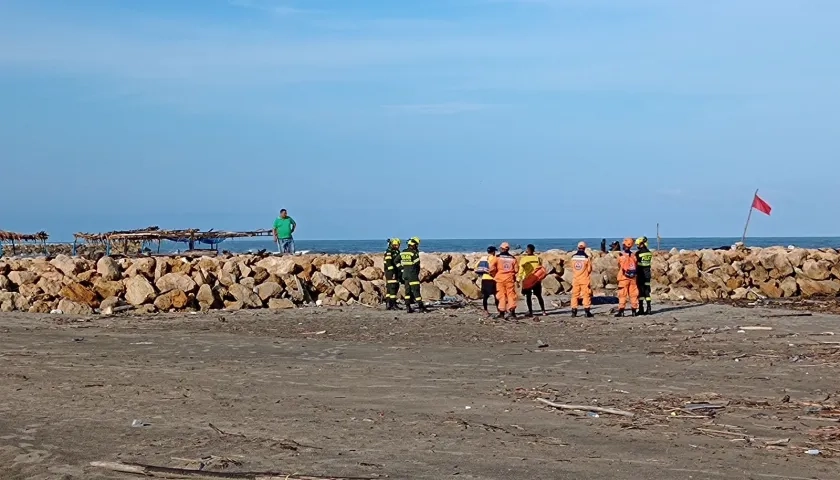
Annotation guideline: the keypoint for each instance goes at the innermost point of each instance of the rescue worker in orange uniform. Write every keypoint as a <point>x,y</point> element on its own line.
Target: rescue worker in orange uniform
<point>504,269</point>
<point>581,287</point>
<point>627,279</point>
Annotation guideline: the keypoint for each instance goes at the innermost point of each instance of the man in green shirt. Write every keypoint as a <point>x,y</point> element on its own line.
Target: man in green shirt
<point>284,226</point>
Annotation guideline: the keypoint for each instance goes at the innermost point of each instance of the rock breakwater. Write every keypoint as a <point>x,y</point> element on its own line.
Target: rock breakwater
<point>78,285</point>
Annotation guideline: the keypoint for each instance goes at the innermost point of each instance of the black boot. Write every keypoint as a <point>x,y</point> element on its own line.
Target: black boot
<point>390,304</point>
<point>408,307</point>
<point>620,312</point>
<point>647,308</point>
<point>512,314</point>
<point>633,312</point>
<point>574,312</point>
<point>587,313</point>
<point>501,316</point>
<point>422,308</point>
<point>638,312</point>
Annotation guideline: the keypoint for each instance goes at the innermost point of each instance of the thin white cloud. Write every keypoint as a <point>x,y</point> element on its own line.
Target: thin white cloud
<point>450,108</point>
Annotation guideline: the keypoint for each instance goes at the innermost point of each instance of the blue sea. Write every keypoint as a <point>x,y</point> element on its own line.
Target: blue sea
<point>480,245</point>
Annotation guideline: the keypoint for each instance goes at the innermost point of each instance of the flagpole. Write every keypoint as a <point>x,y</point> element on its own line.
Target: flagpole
<point>658,247</point>
<point>744,236</point>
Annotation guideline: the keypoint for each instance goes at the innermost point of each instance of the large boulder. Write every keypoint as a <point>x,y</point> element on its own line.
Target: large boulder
<point>370,298</point>
<point>342,293</point>
<point>74,308</point>
<point>789,287</point>
<point>176,281</point>
<point>22,277</point>
<point>430,266</point>
<point>322,284</point>
<point>278,265</point>
<point>467,288</point>
<point>280,304</point>
<point>354,286</point>
<point>333,272</point>
<point>371,273</point>
<point>109,269</point>
<point>176,299</point>
<point>771,288</point>
<point>818,288</point>
<point>69,266</point>
<point>261,275</point>
<point>144,266</point>
<point>269,290</point>
<point>775,262</point>
<point>446,283</point>
<point>107,288</point>
<point>430,292</point>
<point>458,265</point>
<point>245,295</point>
<point>138,290</point>
<point>5,283</point>
<point>52,282</point>
<point>30,290</point>
<point>675,273</point>
<point>816,269</point>
<point>207,298</point>
<point>76,292</point>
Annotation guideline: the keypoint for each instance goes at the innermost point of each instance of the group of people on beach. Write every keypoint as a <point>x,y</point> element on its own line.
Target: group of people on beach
<point>501,270</point>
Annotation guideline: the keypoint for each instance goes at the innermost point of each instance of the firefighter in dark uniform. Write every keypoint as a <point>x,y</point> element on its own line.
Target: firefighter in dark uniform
<point>410,260</point>
<point>393,273</point>
<point>644,258</point>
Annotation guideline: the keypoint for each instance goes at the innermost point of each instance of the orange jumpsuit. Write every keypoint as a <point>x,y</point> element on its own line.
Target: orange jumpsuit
<point>627,284</point>
<point>582,268</point>
<point>504,268</point>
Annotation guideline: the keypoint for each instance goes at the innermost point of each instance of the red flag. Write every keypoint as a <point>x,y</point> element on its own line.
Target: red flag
<point>761,205</point>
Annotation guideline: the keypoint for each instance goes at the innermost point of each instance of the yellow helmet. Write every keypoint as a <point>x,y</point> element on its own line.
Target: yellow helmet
<point>395,242</point>
<point>414,241</point>
<point>641,241</point>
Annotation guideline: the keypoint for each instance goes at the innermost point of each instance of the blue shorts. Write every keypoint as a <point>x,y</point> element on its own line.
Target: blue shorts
<point>286,245</point>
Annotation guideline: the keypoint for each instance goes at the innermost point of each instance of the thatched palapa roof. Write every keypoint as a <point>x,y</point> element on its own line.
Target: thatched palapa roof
<point>101,237</point>
<point>186,235</point>
<point>23,237</point>
<point>156,234</point>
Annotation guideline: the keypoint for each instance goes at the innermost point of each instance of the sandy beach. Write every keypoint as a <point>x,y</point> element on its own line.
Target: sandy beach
<point>358,392</point>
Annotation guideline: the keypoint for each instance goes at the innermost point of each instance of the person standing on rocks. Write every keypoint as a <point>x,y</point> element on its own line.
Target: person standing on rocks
<point>284,227</point>
<point>531,273</point>
<point>488,285</point>
<point>504,268</point>
<point>644,258</point>
<point>581,287</point>
<point>410,261</point>
<point>393,273</point>
<point>627,286</point>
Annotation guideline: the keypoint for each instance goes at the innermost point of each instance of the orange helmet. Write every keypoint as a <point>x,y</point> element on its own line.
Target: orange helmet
<point>581,245</point>
<point>628,242</point>
<point>504,246</point>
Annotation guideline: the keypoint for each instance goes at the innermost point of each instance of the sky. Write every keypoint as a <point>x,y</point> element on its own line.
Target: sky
<point>440,118</point>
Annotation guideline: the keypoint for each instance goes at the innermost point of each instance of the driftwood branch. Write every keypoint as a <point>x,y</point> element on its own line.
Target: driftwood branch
<point>588,408</point>
<point>170,472</point>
